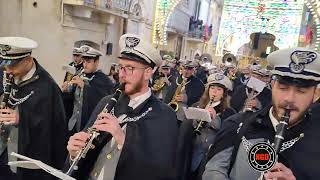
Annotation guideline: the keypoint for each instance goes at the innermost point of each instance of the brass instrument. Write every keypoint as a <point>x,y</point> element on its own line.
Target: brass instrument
<point>83,163</point>
<point>229,59</point>
<point>158,85</point>
<point>173,103</point>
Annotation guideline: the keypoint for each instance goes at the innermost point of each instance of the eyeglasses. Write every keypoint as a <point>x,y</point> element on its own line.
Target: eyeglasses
<point>128,69</point>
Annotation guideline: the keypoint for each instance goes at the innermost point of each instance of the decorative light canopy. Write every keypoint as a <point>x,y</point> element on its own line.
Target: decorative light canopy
<point>314,6</point>
<point>240,18</point>
<point>164,9</point>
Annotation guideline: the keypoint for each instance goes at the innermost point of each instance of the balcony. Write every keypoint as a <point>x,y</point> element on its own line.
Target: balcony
<point>84,8</point>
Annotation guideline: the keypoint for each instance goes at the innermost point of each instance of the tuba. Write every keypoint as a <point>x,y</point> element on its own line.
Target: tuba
<point>83,163</point>
<point>173,103</point>
<point>229,59</point>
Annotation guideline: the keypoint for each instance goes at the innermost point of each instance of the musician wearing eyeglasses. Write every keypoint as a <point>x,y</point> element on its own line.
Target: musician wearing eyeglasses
<point>189,86</point>
<point>144,145</point>
<point>32,120</point>
<point>90,86</point>
<point>290,126</point>
<point>215,100</point>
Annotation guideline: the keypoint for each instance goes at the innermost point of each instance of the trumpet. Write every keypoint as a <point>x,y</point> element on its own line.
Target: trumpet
<point>83,163</point>
<point>159,84</point>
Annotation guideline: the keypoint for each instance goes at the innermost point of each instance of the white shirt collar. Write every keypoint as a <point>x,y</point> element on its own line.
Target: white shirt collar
<point>274,121</point>
<point>28,75</point>
<point>135,102</point>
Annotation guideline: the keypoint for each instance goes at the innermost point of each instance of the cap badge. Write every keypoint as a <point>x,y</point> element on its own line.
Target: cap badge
<point>299,59</point>
<point>132,42</point>
<point>4,49</point>
<point>219,77</point>
<point>85,49</point>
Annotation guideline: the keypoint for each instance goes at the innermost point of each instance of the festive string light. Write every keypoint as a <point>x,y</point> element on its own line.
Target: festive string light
<point>240,18</point>
<point>164,9</point>
<point>314,10</point>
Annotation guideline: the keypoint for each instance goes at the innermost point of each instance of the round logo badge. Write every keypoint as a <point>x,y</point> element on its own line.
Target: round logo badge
<point>296,68</point>
<point>262,157</point>
<point>219,77</point>
<point>4,49</point>
<point>132,42</point>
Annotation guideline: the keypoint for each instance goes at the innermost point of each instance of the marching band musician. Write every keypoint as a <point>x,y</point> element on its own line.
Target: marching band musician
<point>240,99</point>
<point>37,121</point>
<point>192,89</point>
<point>77,62</point>
<point>243,78</point>
<point>91,86</point>
<point>215,100</point>
<point>166,78</point>
<point>144,148</point>
<point>295,77</point>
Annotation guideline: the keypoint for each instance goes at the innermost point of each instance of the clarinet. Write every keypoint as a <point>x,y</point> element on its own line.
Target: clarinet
<point>83,163</point>
<point>279,137</point>
<point>7,88</point>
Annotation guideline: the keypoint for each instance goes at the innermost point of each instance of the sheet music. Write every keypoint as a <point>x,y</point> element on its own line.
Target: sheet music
<point>69,69</point>
<point>256,84</point>
<point>29,163</point>
<point>197,113</point>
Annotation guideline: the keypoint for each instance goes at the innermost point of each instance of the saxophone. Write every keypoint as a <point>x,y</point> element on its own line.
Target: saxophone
<point>83,163</point>
<point>173,103</point>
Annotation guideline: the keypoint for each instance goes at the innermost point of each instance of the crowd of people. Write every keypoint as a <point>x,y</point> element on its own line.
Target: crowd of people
<point>152,133</point>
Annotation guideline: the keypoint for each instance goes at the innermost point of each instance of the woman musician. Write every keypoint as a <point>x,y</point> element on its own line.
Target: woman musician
<point>215,100</point>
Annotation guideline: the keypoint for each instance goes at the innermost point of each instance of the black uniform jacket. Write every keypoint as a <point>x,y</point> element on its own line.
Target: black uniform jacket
<point>302,158</point>
<point>239,97</point>
<point>93,92</point>
<point>194,90</point>
<point>149,151</point>
<point>42,128</point>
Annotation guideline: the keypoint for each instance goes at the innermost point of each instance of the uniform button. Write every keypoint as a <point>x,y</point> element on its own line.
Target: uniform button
<point>8,139</point>
<point>206,139</point>
<point>95,174</point>
<point>109,156</point>
<point>78,112</point>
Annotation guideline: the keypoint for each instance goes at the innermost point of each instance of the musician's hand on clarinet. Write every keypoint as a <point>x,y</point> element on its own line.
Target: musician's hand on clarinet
<point>252,103</point>
<point>212,112</point>
<point>78,81</point>
<point>108,123</point>
<point>77,142</point>
<point>279,172</point>
<point>64,86</point>
<point>9,116</point>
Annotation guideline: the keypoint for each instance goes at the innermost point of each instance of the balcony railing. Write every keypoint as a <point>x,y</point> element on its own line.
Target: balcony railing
<point>122,5</point>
